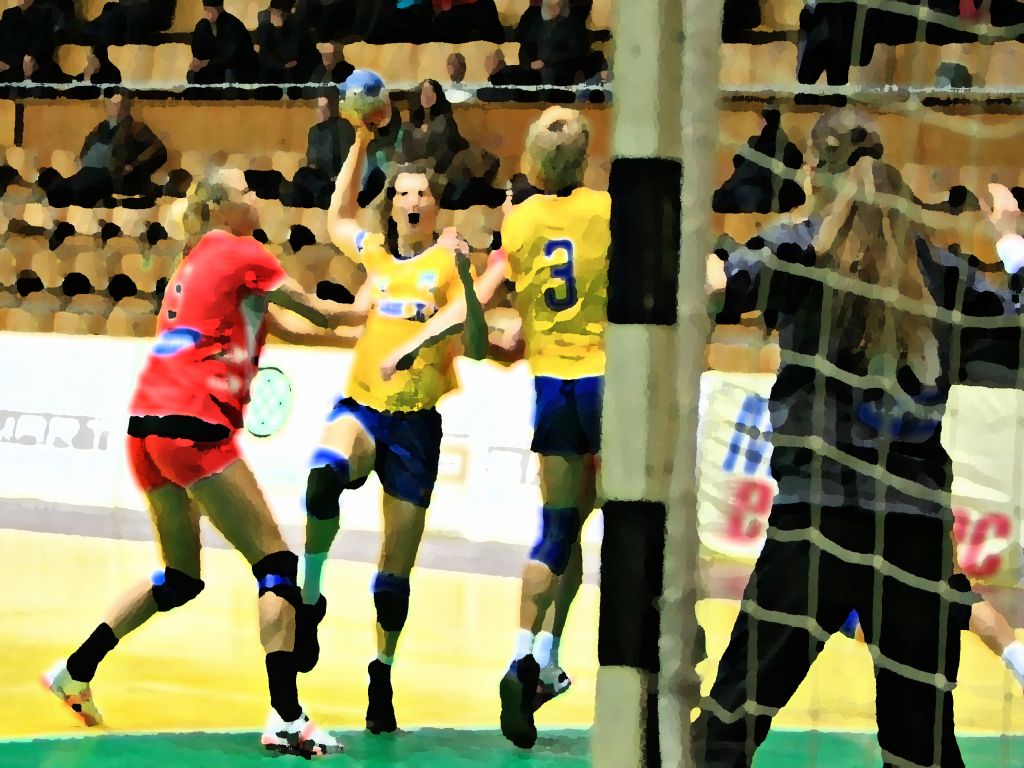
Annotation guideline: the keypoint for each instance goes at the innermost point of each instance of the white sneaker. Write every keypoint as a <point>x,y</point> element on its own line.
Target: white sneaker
<point>552,682</point>
<point>300,737</point>
<point>76,695</point>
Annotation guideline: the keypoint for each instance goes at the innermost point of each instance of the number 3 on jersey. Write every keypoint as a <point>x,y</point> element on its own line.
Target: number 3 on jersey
<point>561,298</point>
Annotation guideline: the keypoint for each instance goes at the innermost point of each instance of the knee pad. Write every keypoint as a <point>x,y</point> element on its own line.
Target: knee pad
<point>391,599</point>
<point>172,588</point>
<point>278,573</point>
<point>328,477</point>
<point>560,528</point>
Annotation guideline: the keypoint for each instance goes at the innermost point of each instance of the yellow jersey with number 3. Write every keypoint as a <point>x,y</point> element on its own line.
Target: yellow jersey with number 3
<point>405,294</point>
<point>557,248</point>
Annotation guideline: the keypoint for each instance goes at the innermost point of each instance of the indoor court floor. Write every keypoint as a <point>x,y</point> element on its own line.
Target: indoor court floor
<point>188,689</point>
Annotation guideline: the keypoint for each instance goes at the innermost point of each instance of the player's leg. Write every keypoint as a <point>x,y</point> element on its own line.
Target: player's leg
<point>407,460</point>
<point>553,679</point>
<point>343,459</point>
<point>176,523</point>
<point>766,659</point>
<point>236,506</point>
<point>918,646</point>
<point>560,444</point>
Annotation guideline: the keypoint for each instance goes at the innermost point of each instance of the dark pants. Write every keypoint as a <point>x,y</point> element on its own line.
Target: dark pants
<point>766,661</point>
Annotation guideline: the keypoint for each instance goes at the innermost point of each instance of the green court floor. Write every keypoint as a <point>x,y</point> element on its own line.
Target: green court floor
<point>448,748</point>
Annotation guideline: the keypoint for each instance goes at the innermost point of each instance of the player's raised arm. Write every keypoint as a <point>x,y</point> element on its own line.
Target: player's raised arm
<point>341,215</point>
<point>366,105</point>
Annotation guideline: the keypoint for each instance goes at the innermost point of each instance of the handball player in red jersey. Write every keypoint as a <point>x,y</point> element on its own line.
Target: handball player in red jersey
<point>183,451</point>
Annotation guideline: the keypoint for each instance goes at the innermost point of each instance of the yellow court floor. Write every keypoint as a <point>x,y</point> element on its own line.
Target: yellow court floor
<point>201,667</point>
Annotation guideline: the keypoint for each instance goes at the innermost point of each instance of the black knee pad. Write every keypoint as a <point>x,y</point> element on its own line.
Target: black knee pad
<point>172,588</point>
<point>279,573</point>
<point>323,489</point>
<point>391,599</point>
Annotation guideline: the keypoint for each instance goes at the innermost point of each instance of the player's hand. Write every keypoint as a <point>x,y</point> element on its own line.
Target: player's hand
<point>453,241</point>
<point>396,362</point>
<point>510,336</point>
<point>1004,213</point>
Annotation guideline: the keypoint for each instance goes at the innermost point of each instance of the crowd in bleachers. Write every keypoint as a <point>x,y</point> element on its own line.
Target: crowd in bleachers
<point>110,186</point>
<point>285,41</point>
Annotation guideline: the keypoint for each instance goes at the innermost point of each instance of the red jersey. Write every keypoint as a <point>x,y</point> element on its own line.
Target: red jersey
<point>210,332</point>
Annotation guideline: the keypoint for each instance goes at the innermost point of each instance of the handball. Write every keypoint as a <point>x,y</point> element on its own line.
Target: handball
<point>364,98</point>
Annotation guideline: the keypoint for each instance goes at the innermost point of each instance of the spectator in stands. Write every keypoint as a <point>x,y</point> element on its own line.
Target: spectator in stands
<point>754,187</point>
<point>499,72</point>
<point>394,21</point>
<point>137,22</point>
<point>464,21</point>
<point>332,67</point>
<point>99,69</point>
<point>286,50</point>
<point>456,92</point>
<point>432,135</point>
<point>222,49</point>
<point>331,19</point>
<point>26,29</point>
<point>119,157</point>
<point>554,47</point>
<point>45,71</point>
<point>327,146</point>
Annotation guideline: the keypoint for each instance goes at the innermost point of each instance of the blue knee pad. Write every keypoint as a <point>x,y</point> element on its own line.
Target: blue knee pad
<point>172,588</point>
<point>391,599</point>
<point>560,529</point>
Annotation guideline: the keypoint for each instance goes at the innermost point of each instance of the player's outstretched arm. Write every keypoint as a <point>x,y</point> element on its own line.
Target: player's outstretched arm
<point>294,329</point>
<point>324,314</point>
<point>464,314</point>
<point>341,215</point>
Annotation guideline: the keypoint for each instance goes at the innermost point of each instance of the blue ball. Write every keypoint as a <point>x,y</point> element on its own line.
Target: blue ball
<point>362,81</point>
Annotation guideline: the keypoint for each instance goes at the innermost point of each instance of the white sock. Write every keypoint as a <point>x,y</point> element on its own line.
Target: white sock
<point>555,640</point>
<point>524,644</point>
<point>389,660</point>
<point>542,648</point>
<point>313,570</point>
<point>1013,657</point>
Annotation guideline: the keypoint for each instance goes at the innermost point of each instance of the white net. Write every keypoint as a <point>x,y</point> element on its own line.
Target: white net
<point>871,334</point>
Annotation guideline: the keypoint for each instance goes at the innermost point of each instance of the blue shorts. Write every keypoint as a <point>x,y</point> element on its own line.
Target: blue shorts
<point>407,446</point>
<point>567,418</point>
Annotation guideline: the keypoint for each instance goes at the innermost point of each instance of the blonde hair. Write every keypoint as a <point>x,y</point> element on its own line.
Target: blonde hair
<point>556,149</point>
<point>194,214</point>
<point>877,244</point>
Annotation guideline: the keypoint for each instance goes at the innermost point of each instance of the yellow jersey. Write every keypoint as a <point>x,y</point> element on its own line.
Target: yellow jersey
<point>405,294</point>
<point>557,250</point>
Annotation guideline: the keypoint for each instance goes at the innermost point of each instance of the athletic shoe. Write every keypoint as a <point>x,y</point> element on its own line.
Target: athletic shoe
<point>307,646</point>
<point>518,689</point>
<point>552,682</point>
<point>75,694</point>
<point>300,737</point>
<point>380,711</point>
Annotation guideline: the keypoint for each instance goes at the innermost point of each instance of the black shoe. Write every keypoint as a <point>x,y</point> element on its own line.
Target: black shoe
<point>307,646</point>
<point>518,688</point>
<point>380,712</point>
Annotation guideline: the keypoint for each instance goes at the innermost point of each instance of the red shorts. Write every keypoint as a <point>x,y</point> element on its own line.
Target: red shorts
<point>157,461</point>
